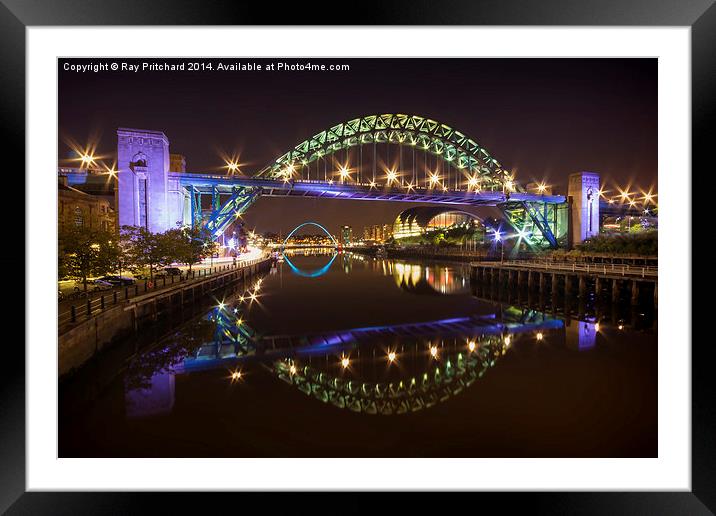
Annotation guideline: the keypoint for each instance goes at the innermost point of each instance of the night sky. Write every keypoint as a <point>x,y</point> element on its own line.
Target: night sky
<point>541,118</point>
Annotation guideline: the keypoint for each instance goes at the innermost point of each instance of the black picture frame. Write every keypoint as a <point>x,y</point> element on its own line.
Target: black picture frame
<point>17,15</point>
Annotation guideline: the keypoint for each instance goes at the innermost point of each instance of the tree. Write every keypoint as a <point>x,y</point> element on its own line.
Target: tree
<point>86,252</point>
<point>191,244</point>
<point>144,249</point>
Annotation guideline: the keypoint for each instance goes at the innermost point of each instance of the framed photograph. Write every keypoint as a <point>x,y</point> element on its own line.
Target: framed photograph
<point>387,254</point>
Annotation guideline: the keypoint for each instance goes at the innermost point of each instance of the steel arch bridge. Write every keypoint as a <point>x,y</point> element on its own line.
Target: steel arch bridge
<point>310,223</point>
<point>455,170</point>
<point>431,136</point>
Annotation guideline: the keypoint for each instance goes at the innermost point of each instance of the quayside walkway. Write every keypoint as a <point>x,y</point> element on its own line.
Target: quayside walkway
<point>80,340</point>
<point>560,278</point>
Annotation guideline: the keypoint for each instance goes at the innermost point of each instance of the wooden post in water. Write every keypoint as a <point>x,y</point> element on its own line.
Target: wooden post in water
<point>615,290</point>
<point>634,292</point>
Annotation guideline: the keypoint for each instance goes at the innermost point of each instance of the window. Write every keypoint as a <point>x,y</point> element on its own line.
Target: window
<point>79,217</point>
<point>139,160</point>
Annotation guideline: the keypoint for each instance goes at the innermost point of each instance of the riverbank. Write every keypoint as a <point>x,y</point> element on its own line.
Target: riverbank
<point>553,256</point>
<point>85,339</point>
<point>448,254</point>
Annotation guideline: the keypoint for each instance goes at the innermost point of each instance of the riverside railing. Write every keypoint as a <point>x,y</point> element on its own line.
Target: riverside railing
<point>643,271</point>
<point>75,310</point>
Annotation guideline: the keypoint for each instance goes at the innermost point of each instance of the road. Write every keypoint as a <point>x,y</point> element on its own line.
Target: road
<point>80,299</point>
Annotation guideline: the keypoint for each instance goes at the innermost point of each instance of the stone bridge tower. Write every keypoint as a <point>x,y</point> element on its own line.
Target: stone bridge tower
<point>583,192</point>
<point>143,180</point>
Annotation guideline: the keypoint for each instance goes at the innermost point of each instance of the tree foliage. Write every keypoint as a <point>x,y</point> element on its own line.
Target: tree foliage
<point>190,245</point>
<point>86,252</point>
<point>641,243</point>
<point>144,249</point>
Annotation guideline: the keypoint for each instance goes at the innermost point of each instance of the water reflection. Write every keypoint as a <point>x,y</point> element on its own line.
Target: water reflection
<point>410,374</point>
<point>582,334</point>
<point>316,273</point>
<point>387,369</point>
<point>430,278</point>
<point>379,361</point>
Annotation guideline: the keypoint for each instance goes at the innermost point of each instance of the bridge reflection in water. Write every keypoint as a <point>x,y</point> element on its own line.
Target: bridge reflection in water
<point>313,273</point>
<point>383,370</point>
<point>390,360</point>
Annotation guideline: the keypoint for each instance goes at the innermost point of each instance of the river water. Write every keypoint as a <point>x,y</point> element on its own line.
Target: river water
<point>345,355</point>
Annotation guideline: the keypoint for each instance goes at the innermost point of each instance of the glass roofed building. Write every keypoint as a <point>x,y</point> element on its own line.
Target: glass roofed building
<point>424,220</point>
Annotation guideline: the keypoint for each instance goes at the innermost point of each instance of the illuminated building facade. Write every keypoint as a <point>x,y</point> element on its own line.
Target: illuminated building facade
<point>346,236</point>
<point>377,233</point>
<point>419,221</point>
<point>80,209</point>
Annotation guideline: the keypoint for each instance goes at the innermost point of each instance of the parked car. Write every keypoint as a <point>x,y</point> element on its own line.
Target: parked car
<point>168,271</point>
<point>100,284</point>
<point>119,281</point>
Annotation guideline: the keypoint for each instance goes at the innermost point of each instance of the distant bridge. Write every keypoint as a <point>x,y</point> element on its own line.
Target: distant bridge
<point>310,223</point>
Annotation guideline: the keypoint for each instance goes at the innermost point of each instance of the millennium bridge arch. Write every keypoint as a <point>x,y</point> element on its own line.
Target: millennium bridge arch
<point>310,223</point>
<point>310,273</point>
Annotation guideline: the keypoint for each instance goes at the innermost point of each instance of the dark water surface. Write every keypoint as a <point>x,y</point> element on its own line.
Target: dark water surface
<point>354,356</point>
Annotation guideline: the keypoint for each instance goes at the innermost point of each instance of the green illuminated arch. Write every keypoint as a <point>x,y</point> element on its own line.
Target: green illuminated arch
<point>424,134</point>
<point>419,392</point>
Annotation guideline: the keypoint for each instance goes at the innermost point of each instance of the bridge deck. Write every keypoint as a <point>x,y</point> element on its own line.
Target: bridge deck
<point>213,354</point>
<point>356,191</point>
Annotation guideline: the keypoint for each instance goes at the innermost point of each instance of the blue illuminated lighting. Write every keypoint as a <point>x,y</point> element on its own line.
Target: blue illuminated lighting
<point>309,274</point>
<point>310,223</point>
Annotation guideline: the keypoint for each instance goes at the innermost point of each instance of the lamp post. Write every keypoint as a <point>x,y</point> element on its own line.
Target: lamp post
<point>498,238</point>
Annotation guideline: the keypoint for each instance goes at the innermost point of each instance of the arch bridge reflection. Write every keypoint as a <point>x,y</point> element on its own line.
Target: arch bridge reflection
<point>384,370</point>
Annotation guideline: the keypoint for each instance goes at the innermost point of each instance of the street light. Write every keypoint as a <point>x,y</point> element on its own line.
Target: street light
<point>434,179</point>
<point>498,238</point>
<point>87,159</point>
<point>391,175</point>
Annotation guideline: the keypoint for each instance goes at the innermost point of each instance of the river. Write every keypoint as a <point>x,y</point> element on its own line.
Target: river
<point>344,355</point>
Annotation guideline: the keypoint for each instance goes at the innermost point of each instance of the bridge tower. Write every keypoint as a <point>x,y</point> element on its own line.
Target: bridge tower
<point>583,191</point>
<point>146,196</point>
